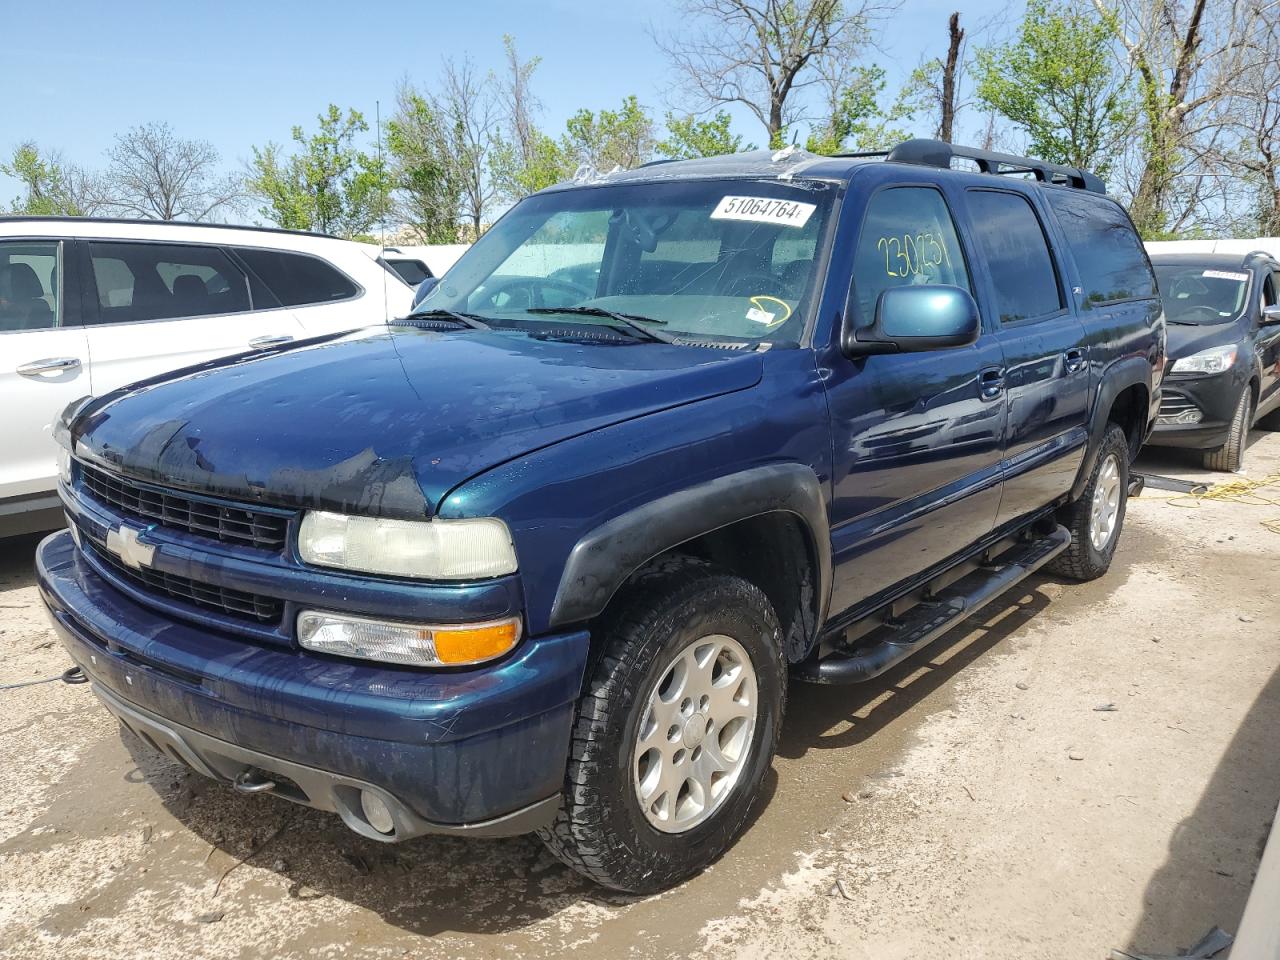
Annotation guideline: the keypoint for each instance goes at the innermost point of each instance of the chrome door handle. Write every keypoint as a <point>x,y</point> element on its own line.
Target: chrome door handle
<point>1074,361</point>
<point>269,341</point>
<point>37,367</point>
<point>991,383</point>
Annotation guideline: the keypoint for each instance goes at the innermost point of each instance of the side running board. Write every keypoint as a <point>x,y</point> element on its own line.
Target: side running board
<point>897,639</point>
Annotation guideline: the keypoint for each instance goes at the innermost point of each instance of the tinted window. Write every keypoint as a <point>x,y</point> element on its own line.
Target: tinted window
<point>29,285</point>
<point>412,272</point>
<point>297,279</point>
<point>1107,251</point>
<point>1017,255</point>
<point>159,281</point>
<point>908,238</point>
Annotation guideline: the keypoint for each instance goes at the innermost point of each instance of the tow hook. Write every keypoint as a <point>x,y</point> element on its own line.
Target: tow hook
<point>253,780</point>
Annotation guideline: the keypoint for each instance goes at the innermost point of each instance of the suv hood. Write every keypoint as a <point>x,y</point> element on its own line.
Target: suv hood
<point>1184,339</point>
<point>387,422</point>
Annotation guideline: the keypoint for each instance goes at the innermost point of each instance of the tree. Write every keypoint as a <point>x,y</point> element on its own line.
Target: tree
<point>611,138</point>
<point>688,137</point>
<point>947,98</point>
<point>427,197</point>
<point>157,175</point>
<point>328,184</point>
<point>1059,83</point>
<point>51,187</point>
<point>934,86</point>
<point>855,120</point>
<point>1190,58</point>
<point>763,54</point>
<point>469,116</point>
<point>522,158</point>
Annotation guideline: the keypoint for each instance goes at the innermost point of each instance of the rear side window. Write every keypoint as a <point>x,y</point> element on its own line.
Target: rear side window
<point>29,297</point>
<point>297,279</point>
<point>908,238</point>
<point>1017,255</point>
<point>160,281</point>
<point>412,272</point>
<point>1105,246</point>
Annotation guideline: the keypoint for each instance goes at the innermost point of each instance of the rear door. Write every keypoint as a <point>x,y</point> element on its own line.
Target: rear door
<point>1046,363</point>
<point>155,307</point>
<point>917,436</point>
<point>44,362</point>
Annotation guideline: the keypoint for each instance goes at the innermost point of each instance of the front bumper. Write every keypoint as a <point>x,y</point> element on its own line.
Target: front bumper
<point>1214,398</point>
<point>479,751</point>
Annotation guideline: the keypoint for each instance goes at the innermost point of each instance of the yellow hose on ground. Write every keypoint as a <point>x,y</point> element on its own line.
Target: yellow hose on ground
<point>1239,490</point>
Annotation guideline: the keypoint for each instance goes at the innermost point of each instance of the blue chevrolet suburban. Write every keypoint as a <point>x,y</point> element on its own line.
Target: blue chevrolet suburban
<point>543,555</point>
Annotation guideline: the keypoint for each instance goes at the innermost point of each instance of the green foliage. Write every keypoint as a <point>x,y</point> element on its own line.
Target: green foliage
<point>856,120</point>
<point>689,138</point>
<point>45,182</point>
<point>612,138</point>
<point>1059,82</point>
<point>516,175</point>
<point>421,173</point>
<point>328,184</point>
<point>604,140</point>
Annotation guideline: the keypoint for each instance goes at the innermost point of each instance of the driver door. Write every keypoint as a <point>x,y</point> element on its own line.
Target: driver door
<point>918,437</point>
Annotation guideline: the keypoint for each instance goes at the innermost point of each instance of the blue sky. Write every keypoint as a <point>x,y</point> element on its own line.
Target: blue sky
<point>241,73</point>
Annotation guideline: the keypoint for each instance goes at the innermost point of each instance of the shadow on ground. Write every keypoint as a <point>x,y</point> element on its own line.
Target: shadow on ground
<point>1214,852</point>
<point>438,885</point>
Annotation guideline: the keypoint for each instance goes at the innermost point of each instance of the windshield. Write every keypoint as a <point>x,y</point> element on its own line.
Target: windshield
<point>1201,295</point>
<point>731,259</point>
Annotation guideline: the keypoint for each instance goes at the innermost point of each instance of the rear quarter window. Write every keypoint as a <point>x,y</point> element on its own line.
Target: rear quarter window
<point>298,279</point>
<point>1108,253</point>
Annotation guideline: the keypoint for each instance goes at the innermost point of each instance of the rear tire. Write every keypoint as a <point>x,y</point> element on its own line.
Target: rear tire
<point>641,715</point>
<point>1095,520</point>
<point>1230,455</point>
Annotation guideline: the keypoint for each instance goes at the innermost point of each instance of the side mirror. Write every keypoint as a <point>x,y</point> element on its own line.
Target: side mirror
<point>916,318</point>
<point>425,287</point>
<point>1270,315</point>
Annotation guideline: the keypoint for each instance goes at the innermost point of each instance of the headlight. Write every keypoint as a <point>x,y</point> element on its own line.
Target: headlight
<point>1214,360</point>
<point>64,464</point>
<point>419,645</point>
<point>424,549</point>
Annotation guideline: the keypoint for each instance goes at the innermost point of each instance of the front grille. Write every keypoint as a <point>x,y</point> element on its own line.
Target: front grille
<point>236,603</point>
<point>179,511</point>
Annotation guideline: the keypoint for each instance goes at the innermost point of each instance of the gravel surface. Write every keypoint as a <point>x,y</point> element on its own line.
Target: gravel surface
<point>1077,768</point>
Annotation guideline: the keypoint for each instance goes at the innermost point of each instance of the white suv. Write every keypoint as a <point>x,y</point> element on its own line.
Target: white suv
<point>88,305</point>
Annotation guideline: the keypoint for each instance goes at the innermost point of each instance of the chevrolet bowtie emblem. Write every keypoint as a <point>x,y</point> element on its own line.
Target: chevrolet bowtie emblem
<point>124,543</point>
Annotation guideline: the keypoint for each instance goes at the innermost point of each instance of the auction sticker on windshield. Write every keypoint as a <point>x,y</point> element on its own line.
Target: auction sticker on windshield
<point>786,213</point>
<point>1225,275</point>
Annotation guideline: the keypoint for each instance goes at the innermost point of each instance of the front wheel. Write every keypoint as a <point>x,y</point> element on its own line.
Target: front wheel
<point>1230,455</point>
<point>1095,519</point>
<point>676,730</point>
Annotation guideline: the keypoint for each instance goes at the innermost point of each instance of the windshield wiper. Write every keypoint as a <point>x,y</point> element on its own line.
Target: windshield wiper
<point>632,322</point>
<point>462,319</point>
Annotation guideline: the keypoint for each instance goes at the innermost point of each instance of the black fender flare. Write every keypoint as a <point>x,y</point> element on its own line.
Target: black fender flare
<point>605,557</point>
<point>1120,376</point>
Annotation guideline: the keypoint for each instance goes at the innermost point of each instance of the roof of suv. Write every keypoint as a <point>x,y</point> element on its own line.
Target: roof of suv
<point>176,231</point>
<point>794,163</point>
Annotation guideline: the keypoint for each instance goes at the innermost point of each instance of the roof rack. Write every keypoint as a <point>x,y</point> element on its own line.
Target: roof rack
<point>937,153</point>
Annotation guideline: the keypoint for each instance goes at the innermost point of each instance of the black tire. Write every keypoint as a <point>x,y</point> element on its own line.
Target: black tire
<point>601,830</point>
<point>1230,455</point>
<point>1083,560</point>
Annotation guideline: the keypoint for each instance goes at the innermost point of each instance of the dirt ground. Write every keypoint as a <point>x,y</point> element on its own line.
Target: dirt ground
<point>972,803</point>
